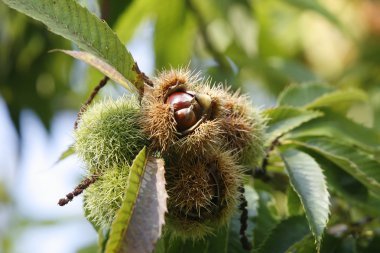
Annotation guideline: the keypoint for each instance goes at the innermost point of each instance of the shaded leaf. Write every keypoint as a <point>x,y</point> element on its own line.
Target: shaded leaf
<point>374,245</point>
<point>306,245</point>
<point>265,220</point>
<point>281,238</point>
<point>354,161</point>
<point>308,181</point>
<point>99,64</point>
<point>284,119</point>
<point>139,221</point>
<point>346,186</point>
<point>76,23</point>
<point>335,126</point>
<point>294,204</point>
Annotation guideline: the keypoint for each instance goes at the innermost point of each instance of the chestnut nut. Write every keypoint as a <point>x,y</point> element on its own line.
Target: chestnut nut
<point>189,112</point>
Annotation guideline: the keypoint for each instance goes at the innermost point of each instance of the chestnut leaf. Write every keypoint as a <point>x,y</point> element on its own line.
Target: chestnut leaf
<point>77,24</point>
<point>358,163</point>
<point>317,95</point>
<point>283,119</point>
<point>100,65</point>
<point>138,222</point>
<point>285,234</point>
<point>308,181</point>
<point>337,126</point>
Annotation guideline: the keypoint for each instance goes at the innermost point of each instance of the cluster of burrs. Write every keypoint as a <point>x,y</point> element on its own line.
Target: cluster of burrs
<point>205,134</point>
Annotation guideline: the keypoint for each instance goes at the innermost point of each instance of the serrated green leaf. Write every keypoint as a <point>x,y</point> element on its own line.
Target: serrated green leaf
<point>354,161</point>
<point>346,186</point>
<point>285,234</point>
<point>338,98</point>
<point>301,95</point>
<point>100,65</point>
<point>337,126</point>
<point>316,95</point>
<point>138,223</point>
<point>308,181</point>
<point>284,119</point>
<point>76,23</point>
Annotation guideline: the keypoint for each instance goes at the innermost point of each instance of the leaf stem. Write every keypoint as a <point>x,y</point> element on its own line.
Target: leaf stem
<point>84,107</point>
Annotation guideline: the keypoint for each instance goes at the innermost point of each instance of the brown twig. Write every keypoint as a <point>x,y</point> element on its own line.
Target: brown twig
<point>96,90</point>
<point>244,220</point>
<point>261,172</point>
<point>202,25</point>
<point>141,75</point>
<point>78,190</point>
<point>105,10</point>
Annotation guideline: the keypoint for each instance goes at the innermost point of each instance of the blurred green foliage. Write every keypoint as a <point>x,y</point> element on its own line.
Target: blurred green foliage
<point>266,44</point>
<point>261,47</point>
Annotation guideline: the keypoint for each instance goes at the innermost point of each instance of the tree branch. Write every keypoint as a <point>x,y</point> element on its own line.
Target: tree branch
<point>202,25</point>
<point>83,108</point>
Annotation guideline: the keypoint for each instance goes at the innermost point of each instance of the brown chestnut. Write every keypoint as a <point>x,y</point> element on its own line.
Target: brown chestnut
<point>179,100</point>
<point>185,118</point>
<point>190,109</point>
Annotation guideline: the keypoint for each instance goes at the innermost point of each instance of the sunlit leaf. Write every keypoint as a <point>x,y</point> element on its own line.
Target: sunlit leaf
<point>284,119</point>
<point>302,95</point>
<point>316,95</point>
<point>68,152</point>
<point>76,23</point>
<point>138,223</point>
<point>99,64</point>
<point>339,97</point>
<point>308,181</point>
